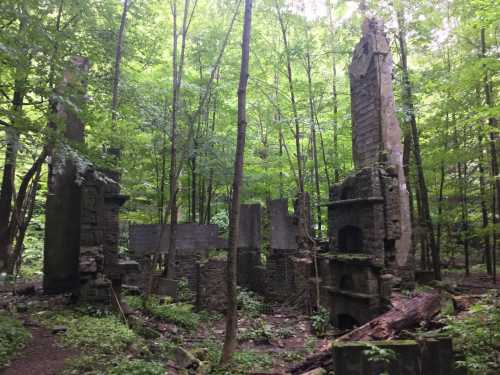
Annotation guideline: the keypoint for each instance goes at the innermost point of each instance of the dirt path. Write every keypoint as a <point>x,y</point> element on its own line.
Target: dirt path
<point>41,356</point>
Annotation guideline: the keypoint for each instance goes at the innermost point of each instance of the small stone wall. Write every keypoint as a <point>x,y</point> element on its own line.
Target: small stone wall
<point>211,288</point>
<point>429,356</point>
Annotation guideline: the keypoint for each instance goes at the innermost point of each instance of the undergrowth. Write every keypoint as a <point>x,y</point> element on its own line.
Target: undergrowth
<point>110,346</point>
<point>178,313</point>
<point>13,337</point>
<point>243,362</point>
<point>478,336</point>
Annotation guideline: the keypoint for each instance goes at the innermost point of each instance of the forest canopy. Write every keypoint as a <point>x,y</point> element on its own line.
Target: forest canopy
<point>445,82</point>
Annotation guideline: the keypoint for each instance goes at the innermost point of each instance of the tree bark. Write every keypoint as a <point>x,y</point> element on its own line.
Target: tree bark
<point>177,71</point>
<point>410,114</point>
<point>11,149</point>
<point>314,143</point>
<point>492,122</point>
<point>336,174</point>
<point>407,314</point>
<point>118,59</point>
<point>302,226</point>
<point>230,341</point>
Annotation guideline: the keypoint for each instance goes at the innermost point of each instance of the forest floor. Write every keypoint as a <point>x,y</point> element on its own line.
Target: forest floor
<point>70,339</point>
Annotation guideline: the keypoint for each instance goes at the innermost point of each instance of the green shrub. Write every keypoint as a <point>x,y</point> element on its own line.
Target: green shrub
<point>13,336</point>
<point>478,336</point>
<point>136,367</point>
<point>244,362</point>
<point>249,303</point>
<point>184,292</point>
<point>178,313</point>
<point>320,321</point>
<point>259,331</point>
<point>134,302</point>
<point>104,335</point>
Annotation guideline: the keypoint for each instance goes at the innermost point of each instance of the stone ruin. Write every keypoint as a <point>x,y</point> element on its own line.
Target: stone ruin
<point>82,208</point>
<point>205,275</point>
<point>368,213</point>
<point>285,274</point>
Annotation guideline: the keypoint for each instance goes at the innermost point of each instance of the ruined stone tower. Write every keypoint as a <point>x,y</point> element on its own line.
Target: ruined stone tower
<point>368,213</point>
<point>83,202</point>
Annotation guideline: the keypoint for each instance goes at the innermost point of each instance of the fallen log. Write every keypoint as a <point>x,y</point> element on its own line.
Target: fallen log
<point>403,315</point>
<point>407,314</point>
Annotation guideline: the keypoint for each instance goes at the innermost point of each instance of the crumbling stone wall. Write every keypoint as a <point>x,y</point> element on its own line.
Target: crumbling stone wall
<point>376,131</point>
<point>212,288</point>
<point>368,213</point>
<point>428,356</point>
<point>82,222</point>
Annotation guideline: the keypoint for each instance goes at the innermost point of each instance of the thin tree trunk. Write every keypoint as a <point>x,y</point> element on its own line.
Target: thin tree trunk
<point>118,59</point>
<point>314,145</point>
<point>410,113</point>
<point>492,122</point>
<point>302,227</point>
<point>230,341</point>
<point>336,174</point>
<point>177,72</point>
<point>10,160</point>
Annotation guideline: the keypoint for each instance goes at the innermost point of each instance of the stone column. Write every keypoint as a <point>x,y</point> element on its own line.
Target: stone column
<point>376,132</point>
<point>62,225</point>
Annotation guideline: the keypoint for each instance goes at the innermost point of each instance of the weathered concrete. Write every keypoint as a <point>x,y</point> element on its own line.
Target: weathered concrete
<point>376,131</point>
<point>284,228</point>
<point>62,227</point>
<point>82,224</point>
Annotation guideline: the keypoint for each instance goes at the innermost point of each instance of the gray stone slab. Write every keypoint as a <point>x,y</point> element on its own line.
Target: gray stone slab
<point>283,226</point>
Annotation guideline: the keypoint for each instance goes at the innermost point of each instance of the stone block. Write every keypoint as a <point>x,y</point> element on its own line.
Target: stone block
<point>351,358</point>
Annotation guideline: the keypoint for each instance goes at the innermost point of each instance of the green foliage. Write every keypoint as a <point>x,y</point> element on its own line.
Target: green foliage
<point>478,335</point>
<point>136,367</point>
<point>244,361</point>
<point>184,292</point>
<point>376,353</point>
<point>177,313</point>
<point>13,337</point>
<point>104,335</point>
<point>320,321</point>
<point>134,302</point>
<point>250,304</point>
<point>259,331</point>
<point>32,260</point>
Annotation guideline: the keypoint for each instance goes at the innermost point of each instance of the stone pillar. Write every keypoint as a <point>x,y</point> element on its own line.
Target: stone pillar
<point>376,135</point>
<point>249,246</point>
<point>62,226</point>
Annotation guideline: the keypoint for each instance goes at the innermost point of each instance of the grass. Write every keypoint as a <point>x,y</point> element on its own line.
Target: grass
<point>13,337</point>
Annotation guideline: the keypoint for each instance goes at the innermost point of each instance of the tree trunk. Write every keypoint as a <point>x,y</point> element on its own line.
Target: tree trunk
<point>302,226</point>
<point>336,174</point>
<point>314,143</point>
<point>118,59</point>
<point>230,341</point>
<point>177,70</point>
<point>11,149</point>
<point>407,314</point>
<point>410,114</point>
<point>492,122</point>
